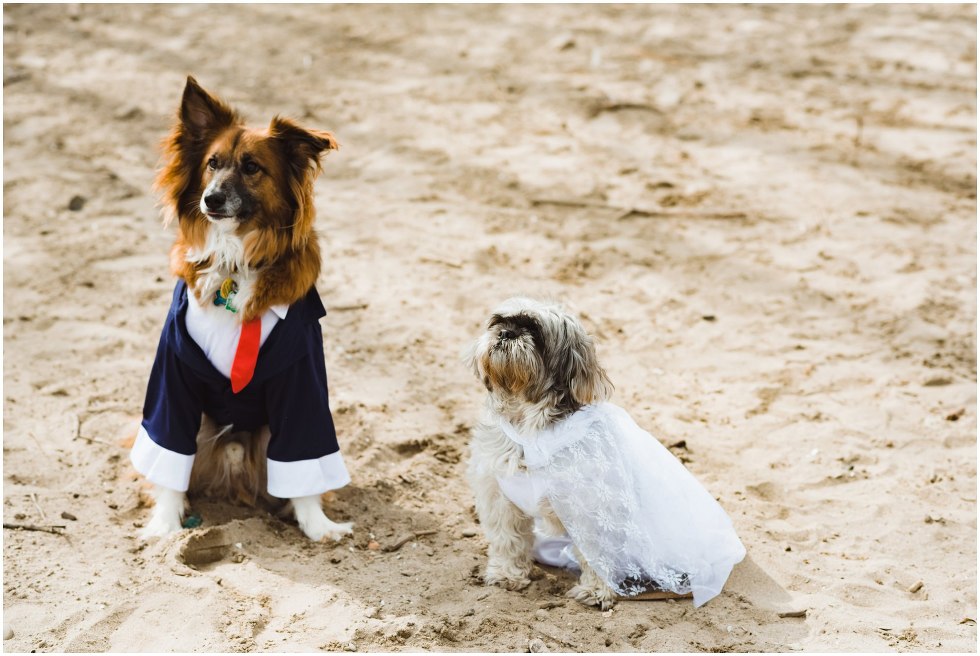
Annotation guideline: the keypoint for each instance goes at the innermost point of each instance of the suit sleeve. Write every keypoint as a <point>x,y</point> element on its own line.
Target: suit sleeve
<point>167,439</point>
<point>304,456</point>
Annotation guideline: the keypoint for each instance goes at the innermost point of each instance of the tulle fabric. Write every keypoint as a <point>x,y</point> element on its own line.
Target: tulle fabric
<point>637,515</point>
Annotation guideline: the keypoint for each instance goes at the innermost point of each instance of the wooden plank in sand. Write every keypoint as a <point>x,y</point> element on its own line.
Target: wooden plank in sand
<point>656,595</point>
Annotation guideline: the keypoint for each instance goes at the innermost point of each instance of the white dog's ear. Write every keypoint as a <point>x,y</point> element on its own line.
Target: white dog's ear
<point>470,357</point>
<point>579,367</point>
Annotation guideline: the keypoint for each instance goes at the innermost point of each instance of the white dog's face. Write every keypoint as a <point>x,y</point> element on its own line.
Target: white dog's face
<point>535,353</point>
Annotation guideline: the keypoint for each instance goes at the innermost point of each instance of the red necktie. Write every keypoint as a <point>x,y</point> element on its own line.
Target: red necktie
<point>247,353</point>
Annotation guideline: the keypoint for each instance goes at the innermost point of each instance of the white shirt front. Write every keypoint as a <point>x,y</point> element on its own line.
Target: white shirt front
<point>216,330</point>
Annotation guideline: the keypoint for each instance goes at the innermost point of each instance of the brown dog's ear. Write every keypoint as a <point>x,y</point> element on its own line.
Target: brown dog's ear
<point>301,145</point>
<point>201,113</point>
<point>302,149</point>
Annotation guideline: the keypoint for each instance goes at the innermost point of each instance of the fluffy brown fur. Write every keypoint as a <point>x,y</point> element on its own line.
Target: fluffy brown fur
<point>280,243</point>
<point>231,465</point>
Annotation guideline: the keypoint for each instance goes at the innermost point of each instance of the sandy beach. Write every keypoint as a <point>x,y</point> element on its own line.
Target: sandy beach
<point>766,215</point>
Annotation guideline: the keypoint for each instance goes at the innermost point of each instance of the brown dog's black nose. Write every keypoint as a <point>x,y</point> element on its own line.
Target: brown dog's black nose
<point>215,200</point>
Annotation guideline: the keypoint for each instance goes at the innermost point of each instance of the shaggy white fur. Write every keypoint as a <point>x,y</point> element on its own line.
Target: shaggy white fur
<point>538,364</point>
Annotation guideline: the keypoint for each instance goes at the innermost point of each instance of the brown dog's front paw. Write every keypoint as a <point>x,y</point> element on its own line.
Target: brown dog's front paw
<point>602,598</point>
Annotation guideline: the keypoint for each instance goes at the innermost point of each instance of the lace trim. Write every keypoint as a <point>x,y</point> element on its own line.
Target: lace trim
<point>639,518</point>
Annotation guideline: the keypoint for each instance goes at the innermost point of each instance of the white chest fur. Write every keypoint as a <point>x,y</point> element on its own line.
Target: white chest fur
<point>224,251</point>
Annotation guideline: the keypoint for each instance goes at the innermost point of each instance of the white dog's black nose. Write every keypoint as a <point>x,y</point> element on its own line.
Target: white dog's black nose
<point>507,334</point>
<point>214,200</point>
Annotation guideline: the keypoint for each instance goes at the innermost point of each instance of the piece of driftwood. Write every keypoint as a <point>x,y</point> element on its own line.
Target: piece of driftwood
<point>656,595</point>
<point>79,436</point>
<point>553,638</point>
<point>599,108</point>
<point>348,308</point>
<point>37,505</point>
<point>401,542</point>
<point>38,443</point>
<point>56,529</point>
<point>437,260</point>
<point>97,441</point>
<point>627,212</point>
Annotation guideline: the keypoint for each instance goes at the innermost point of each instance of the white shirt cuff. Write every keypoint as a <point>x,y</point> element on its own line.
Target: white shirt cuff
<point>161,466</point>
<point>303,478</point>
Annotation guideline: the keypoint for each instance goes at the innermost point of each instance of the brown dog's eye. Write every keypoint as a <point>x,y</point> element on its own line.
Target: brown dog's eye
<point>213,163</point>
<point>250,167</point>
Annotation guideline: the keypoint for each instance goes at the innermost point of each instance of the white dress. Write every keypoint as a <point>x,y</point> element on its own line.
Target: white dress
<point>637,515</point>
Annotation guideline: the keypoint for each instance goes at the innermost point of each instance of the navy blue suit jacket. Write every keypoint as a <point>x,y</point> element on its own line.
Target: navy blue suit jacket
<point>288,390</point>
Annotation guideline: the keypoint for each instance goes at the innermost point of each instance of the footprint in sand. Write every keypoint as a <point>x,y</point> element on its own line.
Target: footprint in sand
<point>210,546</point>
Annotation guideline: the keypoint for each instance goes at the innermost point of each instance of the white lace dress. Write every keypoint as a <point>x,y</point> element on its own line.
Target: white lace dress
<point>637,515</point>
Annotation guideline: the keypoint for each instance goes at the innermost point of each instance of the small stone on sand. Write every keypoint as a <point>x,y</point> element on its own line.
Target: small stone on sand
<point>8,633</point>
<point>536,646</point>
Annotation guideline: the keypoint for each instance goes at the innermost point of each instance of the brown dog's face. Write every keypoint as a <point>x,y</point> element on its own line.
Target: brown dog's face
<point>247,173</point>
<point>241,179</point>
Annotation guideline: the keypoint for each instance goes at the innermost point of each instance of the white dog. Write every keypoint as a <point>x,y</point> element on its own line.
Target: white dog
<point>552,457</point>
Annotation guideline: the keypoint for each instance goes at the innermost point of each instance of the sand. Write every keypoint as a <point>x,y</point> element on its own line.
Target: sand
<point>766,215</point>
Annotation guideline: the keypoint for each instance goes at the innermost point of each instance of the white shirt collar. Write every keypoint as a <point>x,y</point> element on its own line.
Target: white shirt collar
<point>280,310</point>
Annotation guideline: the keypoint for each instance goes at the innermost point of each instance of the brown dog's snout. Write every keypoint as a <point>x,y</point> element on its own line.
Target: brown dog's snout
<point>214,200</point>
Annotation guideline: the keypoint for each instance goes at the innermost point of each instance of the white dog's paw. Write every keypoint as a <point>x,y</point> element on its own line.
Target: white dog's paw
<point>319,529</point>
<point>167,513</point>
<point>600,596</point>
<point>314,523</point>
<point>160,526</point>
<point>507,575</point>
